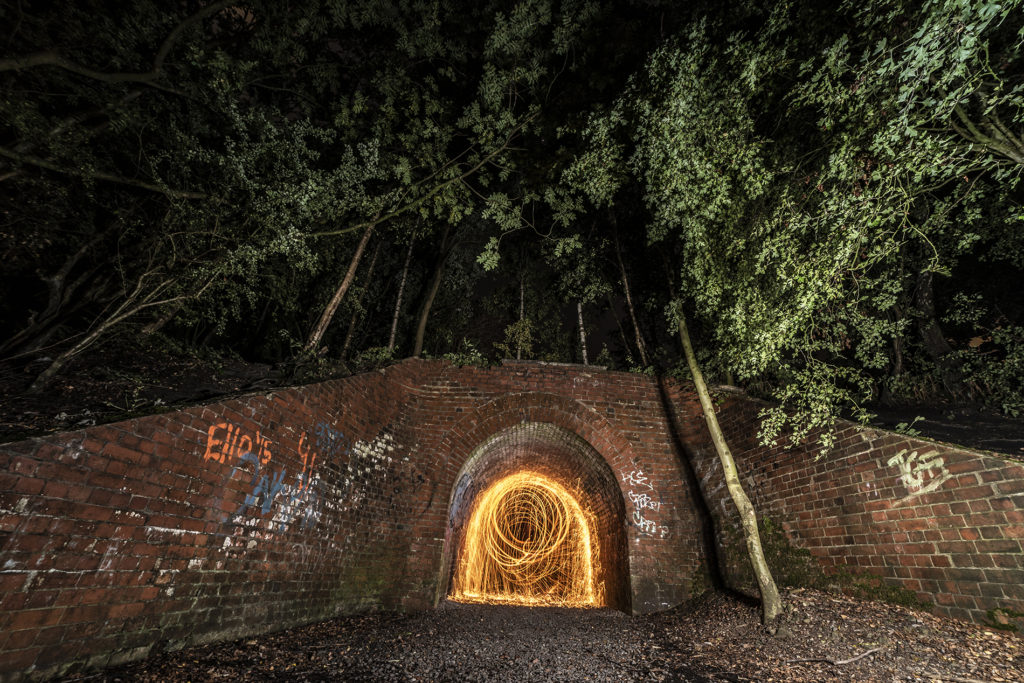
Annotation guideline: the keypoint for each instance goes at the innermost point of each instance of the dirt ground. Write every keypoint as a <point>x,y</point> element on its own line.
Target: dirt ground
<point>825,637</point>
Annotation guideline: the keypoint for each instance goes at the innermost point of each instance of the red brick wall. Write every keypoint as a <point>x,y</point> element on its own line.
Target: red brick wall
<point>268,511</point>
<point>619,415</point>
<point>941,522</point>
<point>213,522</point>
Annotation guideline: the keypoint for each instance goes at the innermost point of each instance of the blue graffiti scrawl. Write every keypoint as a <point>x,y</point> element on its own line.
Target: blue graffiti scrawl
<point>330,442</point>
<point>271,491</point>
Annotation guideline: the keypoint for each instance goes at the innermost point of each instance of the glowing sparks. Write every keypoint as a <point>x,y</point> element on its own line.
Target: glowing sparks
<point>528,542</point>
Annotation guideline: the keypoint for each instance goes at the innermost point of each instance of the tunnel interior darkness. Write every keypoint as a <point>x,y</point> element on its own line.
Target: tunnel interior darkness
<point>537,513</point>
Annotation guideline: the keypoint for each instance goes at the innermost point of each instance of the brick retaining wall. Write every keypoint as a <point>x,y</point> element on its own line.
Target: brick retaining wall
<point>943,523</point>
<point>264,512</point>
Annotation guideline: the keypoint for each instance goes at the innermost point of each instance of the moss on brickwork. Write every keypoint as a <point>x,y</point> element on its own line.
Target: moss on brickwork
<point>795,567</point>
<point>1003,618</point>
<point>700,582</point>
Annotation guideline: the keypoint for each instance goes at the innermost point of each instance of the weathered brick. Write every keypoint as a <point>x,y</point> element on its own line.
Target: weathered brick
<point>156,530</point>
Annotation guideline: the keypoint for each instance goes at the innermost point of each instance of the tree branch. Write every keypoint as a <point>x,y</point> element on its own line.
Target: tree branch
<point>53,58</point>
<point>433,191</point>
<point>837,662</point>
<point>100,175</point>
<point>976,135</point>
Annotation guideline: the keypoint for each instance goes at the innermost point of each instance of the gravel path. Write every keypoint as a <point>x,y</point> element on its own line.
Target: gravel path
<point>715,638</point>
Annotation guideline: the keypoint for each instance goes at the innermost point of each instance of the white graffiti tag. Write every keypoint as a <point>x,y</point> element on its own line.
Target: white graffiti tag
<point>644,501</point>
<point>916,470</point>
<point>645,525</point>
<point>637,478</point>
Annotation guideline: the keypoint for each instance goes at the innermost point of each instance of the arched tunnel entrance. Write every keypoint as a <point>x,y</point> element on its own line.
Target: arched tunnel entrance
<point>529,542</point>
<point>537,517</point>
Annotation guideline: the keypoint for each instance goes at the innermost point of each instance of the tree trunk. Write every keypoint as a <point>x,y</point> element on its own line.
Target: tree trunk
<point>622,332</point>
<point>359,302</point>
<point>135,302</point>
<point>522,311</point>
<point>60,361</point>
<point>771,603</point>
<point>398,301</point>
<point>641,347</point>
<point>934,341</point>
<point>583,333</point>
<point>166,317</point>
<point>42,326</point>
<point>435,284</point>
<point>332,306</point>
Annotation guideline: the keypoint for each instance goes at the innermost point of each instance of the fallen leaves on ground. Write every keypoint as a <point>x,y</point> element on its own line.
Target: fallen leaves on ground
<point>718,637</point>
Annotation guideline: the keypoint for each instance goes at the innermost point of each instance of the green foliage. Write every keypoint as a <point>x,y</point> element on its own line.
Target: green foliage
<point>373,358</point>
<point>468,354</point>
<point>518,340</point>
<point>908,427</point>
<point>998,370</point>
<point>803,188</point>
<point>787,173</point>
<point>604,357</point>
<point>268,139</point>
<point>1000,618</point>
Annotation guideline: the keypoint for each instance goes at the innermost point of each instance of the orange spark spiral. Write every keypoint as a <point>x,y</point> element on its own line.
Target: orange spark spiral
<point>528,542</point>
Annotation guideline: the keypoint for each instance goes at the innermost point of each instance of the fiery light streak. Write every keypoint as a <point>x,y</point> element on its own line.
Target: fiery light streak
<point>528,542</point>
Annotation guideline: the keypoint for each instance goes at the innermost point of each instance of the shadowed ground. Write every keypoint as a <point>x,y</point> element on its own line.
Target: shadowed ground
<point>714,638</point>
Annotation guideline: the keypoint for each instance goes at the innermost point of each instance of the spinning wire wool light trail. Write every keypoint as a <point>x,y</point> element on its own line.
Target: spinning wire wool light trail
<point>528,542</point>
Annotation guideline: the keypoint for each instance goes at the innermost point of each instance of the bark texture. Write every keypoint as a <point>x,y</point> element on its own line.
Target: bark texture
<point>933,340</point>
<point>583,332</point>
<point>771,602</point>
<point>358,312</point>
<point>332,306</point>
<point>398,301</point>
<point>641,346</point>
<point>428,301</point>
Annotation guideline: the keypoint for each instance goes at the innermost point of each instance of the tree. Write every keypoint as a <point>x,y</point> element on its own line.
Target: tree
<point>286,136</point>
<point>771,602</point>
<point>693,149</point>
<point>828,194</point>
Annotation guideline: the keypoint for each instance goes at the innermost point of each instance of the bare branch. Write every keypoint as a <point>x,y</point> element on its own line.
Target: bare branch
<point>99,175</point>
<point>53,58</point>
<point>433,191</point>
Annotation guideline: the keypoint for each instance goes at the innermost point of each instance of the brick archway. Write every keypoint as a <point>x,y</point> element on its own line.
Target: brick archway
<point>559,438</point>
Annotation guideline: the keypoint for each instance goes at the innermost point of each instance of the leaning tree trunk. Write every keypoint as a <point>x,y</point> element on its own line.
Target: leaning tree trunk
<point>359,303</point>
<point>771,603</point>
<point>934,342</point>
<point>332,306</point>
<point>622,332</point>
<point>60,289</point>
<point>58,363</point>
<point>583,332</point>
<point>164,318</point>
<point>435,284</point>
<point>137,301</point>
<point>398,301</point>
<point>641,346</point>
<point>522,312</point>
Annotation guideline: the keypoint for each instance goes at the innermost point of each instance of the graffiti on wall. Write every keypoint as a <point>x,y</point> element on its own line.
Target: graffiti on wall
<point>225,442</point>
<point>271,491</point>
<point>920,473</point>
<point>329,441</point>
<point>645,505</point>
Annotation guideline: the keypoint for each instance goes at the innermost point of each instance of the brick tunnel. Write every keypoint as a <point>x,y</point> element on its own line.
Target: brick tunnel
<point>571,463</point>
<point>267,511</point>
